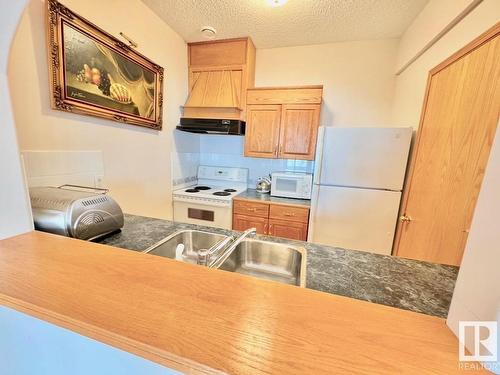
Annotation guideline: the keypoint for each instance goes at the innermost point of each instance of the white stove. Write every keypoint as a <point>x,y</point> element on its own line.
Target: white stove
<point>209,202</point>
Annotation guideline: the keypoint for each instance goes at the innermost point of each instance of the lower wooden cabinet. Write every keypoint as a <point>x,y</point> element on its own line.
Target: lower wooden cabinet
<point>243,222</point>
<point>288,229</point>
<point>274,219</point>
<point>289,213</point>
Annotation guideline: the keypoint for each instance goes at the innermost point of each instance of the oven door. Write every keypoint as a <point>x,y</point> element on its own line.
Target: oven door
<point>203,214</point>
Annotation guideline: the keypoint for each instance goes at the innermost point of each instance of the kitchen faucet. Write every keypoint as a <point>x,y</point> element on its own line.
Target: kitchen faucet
<point>204,256</point>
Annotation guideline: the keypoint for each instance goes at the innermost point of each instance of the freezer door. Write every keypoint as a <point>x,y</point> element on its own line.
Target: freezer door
<point>358,219</point>
<point>373,158</point>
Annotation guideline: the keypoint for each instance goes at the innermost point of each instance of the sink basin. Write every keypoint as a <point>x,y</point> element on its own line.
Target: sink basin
<point>268,260</point>
<point>193,240</point>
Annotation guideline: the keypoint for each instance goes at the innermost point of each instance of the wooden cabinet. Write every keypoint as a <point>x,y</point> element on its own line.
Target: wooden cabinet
<point>288,229</point>
<point>244,207</point>
<point>262,130</point>
<point>243,222</point>
<point>289,213</point>
<point>283,122</point>
<point>272,219</point>
<point>220,72</point>
<point>299,131</point>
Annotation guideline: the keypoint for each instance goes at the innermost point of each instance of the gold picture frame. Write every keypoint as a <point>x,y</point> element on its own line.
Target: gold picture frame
<point>93,73</point>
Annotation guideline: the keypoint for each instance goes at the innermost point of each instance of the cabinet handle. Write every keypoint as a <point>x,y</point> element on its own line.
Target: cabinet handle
<point>270,229</point>
<point>252,209</point>
<point>289,214</point>
<point>265,229</point>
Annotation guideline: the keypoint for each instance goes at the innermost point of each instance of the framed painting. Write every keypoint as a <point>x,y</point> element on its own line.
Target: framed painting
<point>93,73</point>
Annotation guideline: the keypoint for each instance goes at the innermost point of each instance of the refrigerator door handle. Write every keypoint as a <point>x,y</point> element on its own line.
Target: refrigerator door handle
<point>312,214</point>
<point>319,155</point>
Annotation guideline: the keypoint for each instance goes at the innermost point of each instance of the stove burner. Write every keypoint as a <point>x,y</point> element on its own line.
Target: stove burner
<point>202,187</point>
<point>191,191</point>
<point>230,190</point>
<point>222,193</point>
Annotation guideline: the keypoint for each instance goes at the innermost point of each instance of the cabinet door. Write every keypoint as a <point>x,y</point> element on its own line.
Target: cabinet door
<point>288,229</point>
<point>299,131</point>
<point>242,222</point>
<point>262,131</point>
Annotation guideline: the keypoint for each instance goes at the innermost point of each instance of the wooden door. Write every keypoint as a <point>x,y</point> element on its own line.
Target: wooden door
<point>299,131</point>
<point>288,229</point>
<point>459,119</point>
<point>262,131</point>
<point>242,222</point>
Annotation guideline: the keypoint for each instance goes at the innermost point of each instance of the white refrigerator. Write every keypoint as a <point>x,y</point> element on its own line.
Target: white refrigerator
<point>358,181</point>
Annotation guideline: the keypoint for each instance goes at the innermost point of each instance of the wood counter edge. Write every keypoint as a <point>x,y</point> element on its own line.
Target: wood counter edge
<point>164,358</point>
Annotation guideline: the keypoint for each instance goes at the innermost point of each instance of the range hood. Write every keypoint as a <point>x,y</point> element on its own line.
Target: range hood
<point>214,103</point>
<point>212,126</point>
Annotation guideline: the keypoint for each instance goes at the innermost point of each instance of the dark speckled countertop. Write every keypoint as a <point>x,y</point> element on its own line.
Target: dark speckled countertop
<point>253,195</point>
<point>403,283</point>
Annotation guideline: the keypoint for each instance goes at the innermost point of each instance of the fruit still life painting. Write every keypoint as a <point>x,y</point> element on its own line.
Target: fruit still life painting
<point>94,73</point>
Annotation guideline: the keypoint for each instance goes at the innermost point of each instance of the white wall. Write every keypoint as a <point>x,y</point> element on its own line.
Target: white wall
<point>358,78</point>
<point>32,346</point>
<point>15,212</point>
<point>137,161</point>
<point>410,85</point>
<point>430,22</point>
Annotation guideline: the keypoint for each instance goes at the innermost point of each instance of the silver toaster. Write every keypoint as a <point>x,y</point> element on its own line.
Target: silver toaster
<point>75,211</point>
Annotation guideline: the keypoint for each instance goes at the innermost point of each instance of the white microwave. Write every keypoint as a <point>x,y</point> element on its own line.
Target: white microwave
<point>291,185</point>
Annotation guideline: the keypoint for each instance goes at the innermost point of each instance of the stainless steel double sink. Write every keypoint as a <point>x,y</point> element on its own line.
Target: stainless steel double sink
<point>263,259</point>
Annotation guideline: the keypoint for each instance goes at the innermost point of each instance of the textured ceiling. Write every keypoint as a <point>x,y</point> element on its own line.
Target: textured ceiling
<point>298,22</point>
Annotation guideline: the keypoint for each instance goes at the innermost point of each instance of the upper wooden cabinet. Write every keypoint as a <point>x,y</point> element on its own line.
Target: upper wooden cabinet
<point>298,131</point>
<point>286,95</point>
<point>220,72</point>
<point>283,122</point>
<point>220,52</point>
<point>262,131</point>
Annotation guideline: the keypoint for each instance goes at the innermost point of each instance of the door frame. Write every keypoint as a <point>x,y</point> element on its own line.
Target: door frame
<point>470,47</point>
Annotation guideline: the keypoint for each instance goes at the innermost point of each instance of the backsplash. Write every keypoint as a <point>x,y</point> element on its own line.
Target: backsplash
<point>257,166</point>
<point>225,151</point>
<point>184,168</point>
<point>55,168</point>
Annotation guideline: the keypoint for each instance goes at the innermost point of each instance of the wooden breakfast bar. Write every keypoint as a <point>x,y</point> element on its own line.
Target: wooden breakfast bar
<point>199,320</point>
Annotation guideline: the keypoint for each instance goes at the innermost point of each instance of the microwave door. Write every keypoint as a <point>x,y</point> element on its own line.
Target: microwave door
<point>287,186</point>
